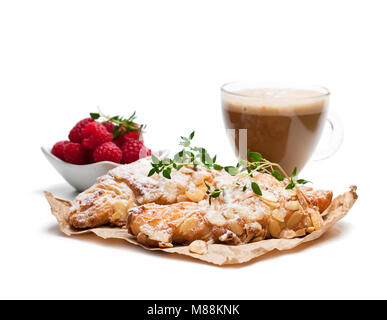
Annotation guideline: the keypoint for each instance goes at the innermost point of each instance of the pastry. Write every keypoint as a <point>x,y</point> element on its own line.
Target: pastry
<point>163,212</point>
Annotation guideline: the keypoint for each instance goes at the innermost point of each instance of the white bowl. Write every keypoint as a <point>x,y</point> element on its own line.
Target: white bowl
<point>82,177</point>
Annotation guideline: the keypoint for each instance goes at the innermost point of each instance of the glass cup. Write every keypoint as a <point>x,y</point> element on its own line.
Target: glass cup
<point>282,122</point>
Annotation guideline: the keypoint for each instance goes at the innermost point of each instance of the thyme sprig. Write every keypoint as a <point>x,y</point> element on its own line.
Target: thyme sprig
<point>189,155</point>
<point>122,125</point>
<point>194,156</point>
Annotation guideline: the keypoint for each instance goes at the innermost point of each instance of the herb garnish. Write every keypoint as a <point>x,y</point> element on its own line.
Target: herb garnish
<point>121,125</point>
<point>194,156</point>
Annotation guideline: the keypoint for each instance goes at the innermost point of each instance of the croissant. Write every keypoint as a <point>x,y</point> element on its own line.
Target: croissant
<point>162,212</point>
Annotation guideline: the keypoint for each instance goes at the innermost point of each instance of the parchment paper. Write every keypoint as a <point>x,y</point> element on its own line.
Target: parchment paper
<point>218,254</point>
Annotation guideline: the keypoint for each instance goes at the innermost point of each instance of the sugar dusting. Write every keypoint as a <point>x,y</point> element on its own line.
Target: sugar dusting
<point>238,216</point>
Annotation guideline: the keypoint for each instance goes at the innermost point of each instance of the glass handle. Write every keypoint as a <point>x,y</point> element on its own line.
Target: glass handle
<point>336,139</point>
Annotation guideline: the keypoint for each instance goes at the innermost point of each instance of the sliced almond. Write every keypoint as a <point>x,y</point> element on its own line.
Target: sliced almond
<point>279,215</point>
<point>229,213</point>
<point>196,195</point>
<point>294,219</point>
<point>292,205</point>
<point>316,219</point>
<point>300,233</point>
<point>269,201</point>
<point>269,196</point>
<point>252,229</point>
<point>307,221</point>
<point>274,228</point>
<point>288,234</point>
<point>215,218</point>
<point>187,170</point>
<point>188,227</point>
<point>250,215</point>
<point>199,247</point>
<point>157,235</point>
<point>198,178</point>
<point>170,192</point>
<point>229,236</point>
<point>235,227</point>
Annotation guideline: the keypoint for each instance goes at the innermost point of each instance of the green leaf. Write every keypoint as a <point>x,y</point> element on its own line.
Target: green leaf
<point>217,167</point>
<point>152,172</point>
<point>302,181</point>
<point>291,185</point>
<point>178,157</point>
<point>155,160</point>
<point>204,156</point>
<point>244,188</point>
<point>231,170</point>
<point>216,193</point>
<point>167,173</point>
<point>256,188</point>
<point>277,175</point>
<point>255,156</point>
<point>192,135</point>
<point>192,155</point>
<point>184,143</point>
<point>294,173</point>
<point>116,132</point>
<point>95,116</point>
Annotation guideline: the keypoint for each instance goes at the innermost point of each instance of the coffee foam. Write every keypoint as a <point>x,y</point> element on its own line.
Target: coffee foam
<point>265,101</point>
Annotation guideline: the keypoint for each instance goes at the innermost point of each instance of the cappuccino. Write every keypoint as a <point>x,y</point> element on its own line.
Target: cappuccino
<point>284,125</point>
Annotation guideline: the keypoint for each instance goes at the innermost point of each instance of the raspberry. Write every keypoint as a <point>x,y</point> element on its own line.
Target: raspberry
<point>133,150</point>
<point>75,134</point>
<point>109,126</point>
<point>129,136</point>
<point>57,149</point>
<point>74,153</point>
<point>107,152</point>
<point>122,139</point>
<point>94,134</point>
<point>116,143</point>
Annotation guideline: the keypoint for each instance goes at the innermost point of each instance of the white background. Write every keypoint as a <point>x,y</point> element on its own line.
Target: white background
<point>59,60</point>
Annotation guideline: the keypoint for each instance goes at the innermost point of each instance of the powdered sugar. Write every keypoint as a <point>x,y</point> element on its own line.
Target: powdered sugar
<point>237,216</point>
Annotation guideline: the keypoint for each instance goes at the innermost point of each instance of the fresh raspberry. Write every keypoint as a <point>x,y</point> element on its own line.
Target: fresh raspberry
<point>109,126</point>
<point>129,136</point>
<point>57,149</point>
<point>107,152</point>
<point>133,150</point>
<point>123,138</point>
<point>75,134</point>
<point>116,143</point>
<point>74,153</point>
<point>94,134</point>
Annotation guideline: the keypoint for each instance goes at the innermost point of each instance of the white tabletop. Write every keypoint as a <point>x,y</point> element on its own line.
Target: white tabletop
<point>167,61</point>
